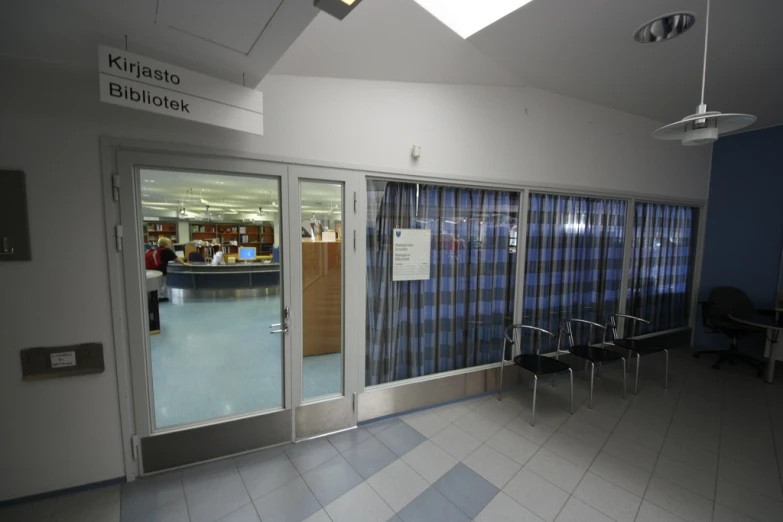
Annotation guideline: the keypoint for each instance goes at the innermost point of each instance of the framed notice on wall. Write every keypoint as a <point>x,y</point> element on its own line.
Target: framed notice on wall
<point>411,254</point>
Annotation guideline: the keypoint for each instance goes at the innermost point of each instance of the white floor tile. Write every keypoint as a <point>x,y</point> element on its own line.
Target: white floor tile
<point>572,449</point>
<point>497,412</point>
<point>477,425</point>
<point>631,452</point>
<point>559,471</point>
<point>539,433</point>
<point>577,511</point>
<point>430,461</point>
<point>492,465</point>
<point>678,500</point>
<point>585,432</point>
<point>456,442</point>
<point>451,412</point>
<point>361,504</point>
<point>651,513</point>
<point>397,484</point>
<point>428,423</point>
<point>536,494</point>
<point>609,499</point>
<point>621,473</point>
<point>505,509</point>
<point>516,447</point>
<point>749,502</point>
<point>696,480</point>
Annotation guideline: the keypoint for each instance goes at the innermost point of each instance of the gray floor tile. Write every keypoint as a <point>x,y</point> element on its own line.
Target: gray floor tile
<point>749,502</point>
<point>585,432</point>
<point>401,438</point>
<point>262,475</point>
<point>572,449</point>
<point>243,514</point>
<point>559,471</point>
<point>621,473</point>
<point>105,512</point>
<point>609,499</point>
<point>696,480</point>
<point>205,476</point>
<point>35,511</point>
<point>764,480</point>
<point>376,427</point>
<point>307,455</point>
<point>577,511</point>
<point>632,453</point>
<point>209,504</point>
<point>456,442</point>
<point>369,457</point>
<point>492,465</point>
<point>361,504</point>
<point>176,511</point>
<point>332,479</point>
<point>451,412</point>
<point>348,439</point>
<point>145,494</point>
<point>398,484</point>
<point>651,513</point>
<point>429,461</point>
<point>292,503</point>
<point>427,422</point>
<point>318,516</point>
<point>505,509</point>
<point>432,506</point>
<point>597,419</point>
<point>690,453</point>
<point>516,447</point>
<point>536,494</point>
<point>466,489</point>
<point>89,500</point>
<point>678,500</point>
<point>724,514</point>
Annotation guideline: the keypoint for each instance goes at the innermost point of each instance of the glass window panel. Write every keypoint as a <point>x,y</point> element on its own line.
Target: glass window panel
<point>456,318</point>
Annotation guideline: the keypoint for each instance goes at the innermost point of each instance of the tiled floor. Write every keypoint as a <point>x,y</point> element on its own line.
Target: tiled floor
<point>703,450</point>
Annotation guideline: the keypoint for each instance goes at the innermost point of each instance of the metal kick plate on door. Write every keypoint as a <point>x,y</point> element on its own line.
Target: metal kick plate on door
<point>61,361</point>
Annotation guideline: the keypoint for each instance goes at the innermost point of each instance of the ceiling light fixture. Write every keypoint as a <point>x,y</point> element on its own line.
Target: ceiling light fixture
<point>705,126</point>
<point>467,17</point>
<point>337,8</point>
<point>664,28</point>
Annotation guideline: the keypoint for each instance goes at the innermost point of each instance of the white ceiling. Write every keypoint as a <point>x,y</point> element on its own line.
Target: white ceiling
<point>223,38</point>
<point>582,49</point>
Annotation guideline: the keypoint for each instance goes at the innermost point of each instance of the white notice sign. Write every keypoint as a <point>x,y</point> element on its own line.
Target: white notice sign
<point>411,254</point>
<point>62,359</point>
<point>138,82</point>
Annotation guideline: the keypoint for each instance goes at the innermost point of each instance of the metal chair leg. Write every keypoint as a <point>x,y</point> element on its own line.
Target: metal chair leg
<point>535,389</point>
<point>666,371</point>
<point>592,375</point>
<point>571,376</point>
<point>636,383</point>
<point>625,379</point>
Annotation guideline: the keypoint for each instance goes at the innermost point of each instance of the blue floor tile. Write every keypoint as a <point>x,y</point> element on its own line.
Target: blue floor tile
<point>431,506</point>
<point>401,438</point>
<point>469,491</point>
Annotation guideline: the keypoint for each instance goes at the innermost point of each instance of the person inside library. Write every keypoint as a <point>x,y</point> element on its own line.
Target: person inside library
<point>163,255</point>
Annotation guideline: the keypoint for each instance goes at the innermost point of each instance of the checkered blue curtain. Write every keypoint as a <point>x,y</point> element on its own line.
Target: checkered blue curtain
<point>456,318</point>
<point>574,261</point>
<point>661,274</point>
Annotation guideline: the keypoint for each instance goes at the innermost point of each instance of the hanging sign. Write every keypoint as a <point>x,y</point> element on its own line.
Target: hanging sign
<point>411,254</point>
<point>138,82</point>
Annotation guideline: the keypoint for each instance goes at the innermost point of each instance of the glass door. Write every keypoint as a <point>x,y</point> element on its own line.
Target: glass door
<point>205,272</point>
<point>322,218</point>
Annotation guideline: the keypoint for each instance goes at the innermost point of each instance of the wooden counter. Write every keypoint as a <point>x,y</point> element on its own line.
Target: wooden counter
<point>322,297</point>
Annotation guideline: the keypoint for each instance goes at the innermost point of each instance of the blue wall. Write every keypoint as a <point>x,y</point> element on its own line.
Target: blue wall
<point>744,219</point>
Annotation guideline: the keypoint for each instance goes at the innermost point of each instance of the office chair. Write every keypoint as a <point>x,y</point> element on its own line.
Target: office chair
<point>195,257</point>
<point>534,362</point>
<point>722,301</point>
<point>637,347</point>
<point>591,354</point>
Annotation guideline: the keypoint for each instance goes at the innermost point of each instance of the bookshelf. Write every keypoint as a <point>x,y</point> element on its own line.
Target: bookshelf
<point>257,235</point>
<point>153,230</point>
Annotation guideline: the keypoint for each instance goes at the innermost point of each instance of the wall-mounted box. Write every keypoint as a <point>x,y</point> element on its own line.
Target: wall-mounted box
<point>61,361</point>
<point>14,231</point>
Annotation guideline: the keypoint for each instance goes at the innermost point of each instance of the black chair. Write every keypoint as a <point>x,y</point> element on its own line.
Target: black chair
<point>591,354</point>
<point>534,362</point>
<point>715,311</point>
<point>637,347</point>
<point>195,257</point>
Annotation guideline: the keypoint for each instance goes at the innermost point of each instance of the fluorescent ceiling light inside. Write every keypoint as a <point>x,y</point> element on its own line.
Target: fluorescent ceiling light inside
<point>467,17</point>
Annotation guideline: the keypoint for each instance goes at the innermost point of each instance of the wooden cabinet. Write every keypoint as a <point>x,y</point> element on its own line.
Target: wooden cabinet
<point>322,297</point>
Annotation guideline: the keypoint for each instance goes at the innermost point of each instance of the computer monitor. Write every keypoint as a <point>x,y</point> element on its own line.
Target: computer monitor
<point>247,253</point>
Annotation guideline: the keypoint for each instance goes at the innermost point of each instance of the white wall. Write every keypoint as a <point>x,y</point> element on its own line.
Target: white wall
<point>66,432</point>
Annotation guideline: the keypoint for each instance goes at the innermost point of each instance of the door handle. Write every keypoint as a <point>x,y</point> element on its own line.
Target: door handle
<point>284,329</point>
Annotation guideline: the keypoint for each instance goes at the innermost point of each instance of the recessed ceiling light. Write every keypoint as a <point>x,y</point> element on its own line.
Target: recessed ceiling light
<point>467,17</point>
<point>664,28</point>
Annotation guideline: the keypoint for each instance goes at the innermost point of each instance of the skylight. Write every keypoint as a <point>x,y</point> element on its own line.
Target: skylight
<point>467,17</point>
